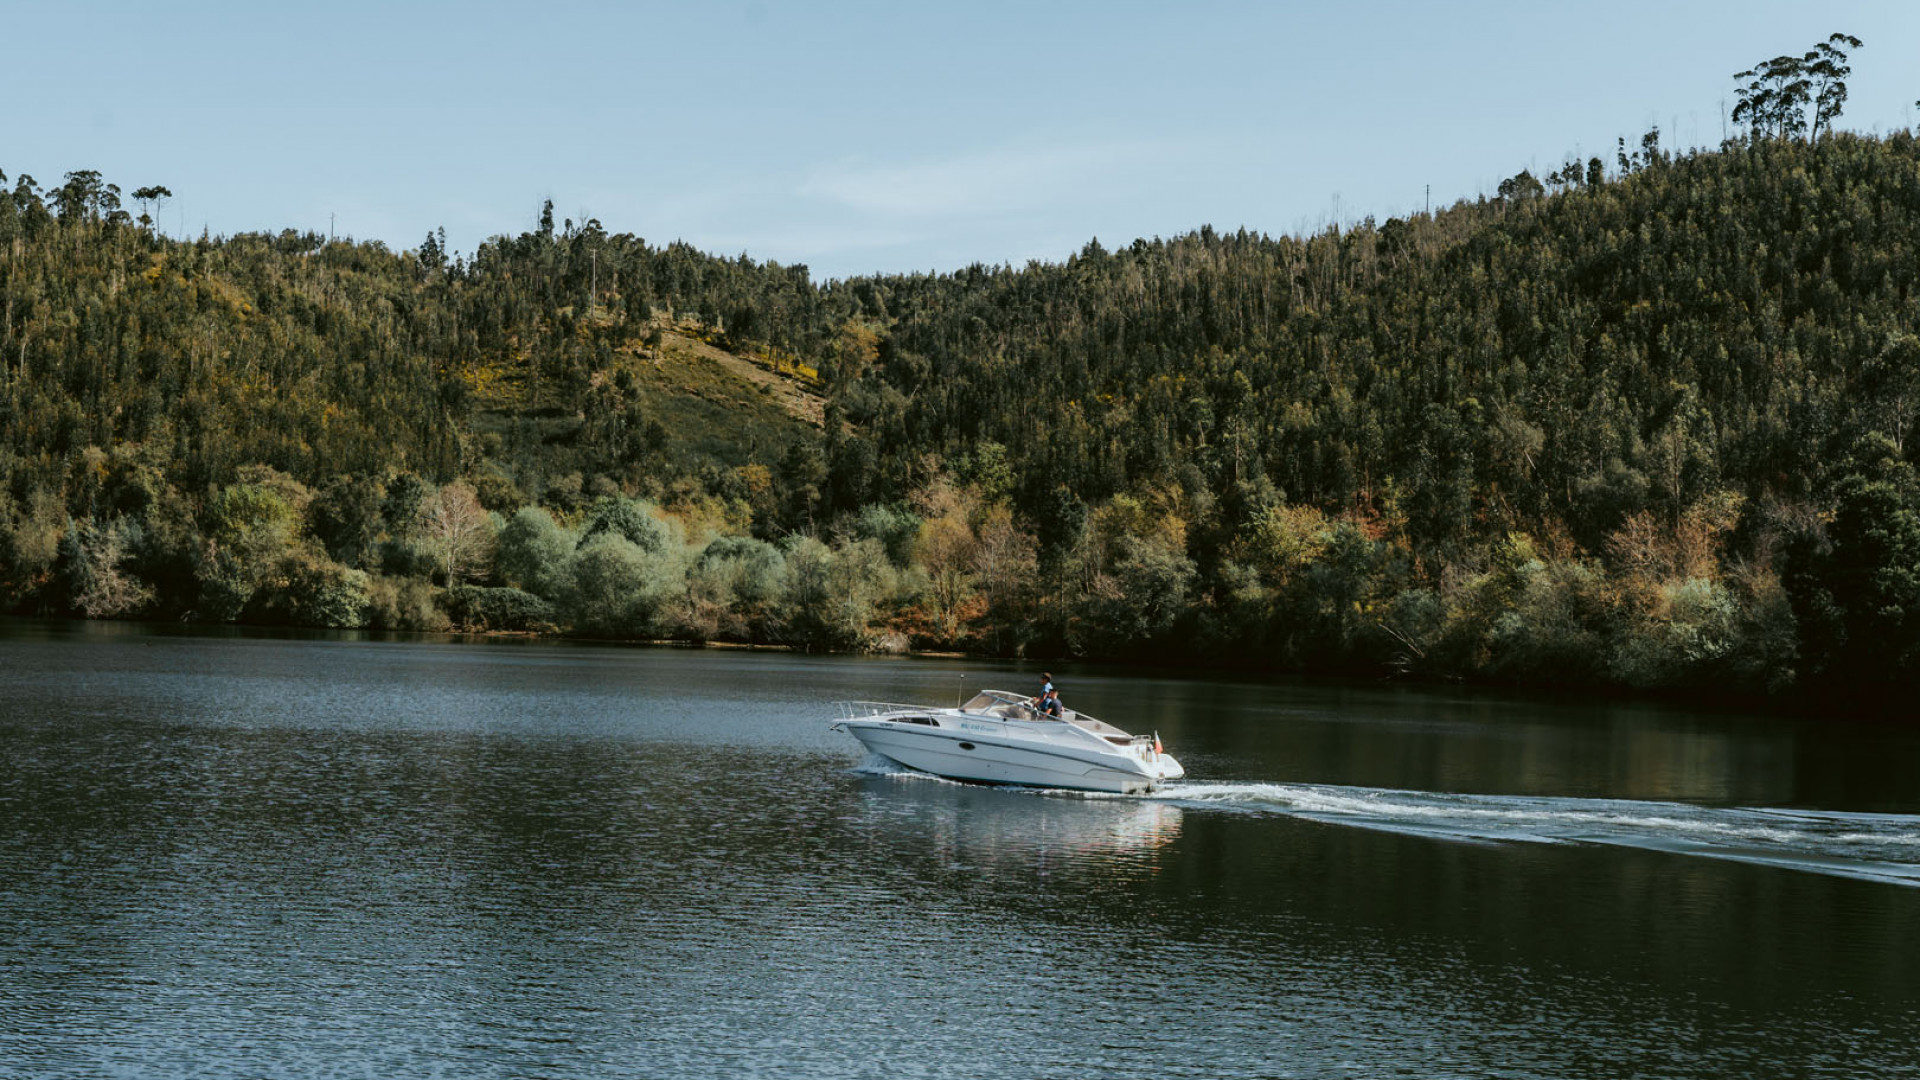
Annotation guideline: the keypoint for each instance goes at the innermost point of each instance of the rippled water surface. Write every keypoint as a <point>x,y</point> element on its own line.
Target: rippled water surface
<point>235,856</point>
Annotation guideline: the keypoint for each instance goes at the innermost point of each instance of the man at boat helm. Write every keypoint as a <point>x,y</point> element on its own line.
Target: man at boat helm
<point>1051,703</point>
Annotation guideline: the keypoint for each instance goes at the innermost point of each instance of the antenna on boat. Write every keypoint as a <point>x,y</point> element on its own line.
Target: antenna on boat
<point>962,700</point>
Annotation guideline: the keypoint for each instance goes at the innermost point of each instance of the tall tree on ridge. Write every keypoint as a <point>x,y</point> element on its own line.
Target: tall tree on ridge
<point>151,196</point>
<point>1773,103</point>
<point>1830,69</point>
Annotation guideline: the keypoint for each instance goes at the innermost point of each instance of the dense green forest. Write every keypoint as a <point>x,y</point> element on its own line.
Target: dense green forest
<point>1638,424</point>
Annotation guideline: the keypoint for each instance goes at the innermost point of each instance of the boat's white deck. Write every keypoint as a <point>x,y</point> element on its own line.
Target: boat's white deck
<point>1098,727</point>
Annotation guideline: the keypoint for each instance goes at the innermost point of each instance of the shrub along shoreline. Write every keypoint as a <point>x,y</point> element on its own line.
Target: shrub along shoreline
<point>953,574</point>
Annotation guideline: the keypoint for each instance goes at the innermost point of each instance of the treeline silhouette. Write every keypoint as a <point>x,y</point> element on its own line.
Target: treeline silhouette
<point>1634,424</point>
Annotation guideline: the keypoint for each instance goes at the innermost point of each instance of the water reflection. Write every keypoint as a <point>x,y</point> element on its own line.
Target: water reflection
<point>970,826</point>
<point>1421,740</point>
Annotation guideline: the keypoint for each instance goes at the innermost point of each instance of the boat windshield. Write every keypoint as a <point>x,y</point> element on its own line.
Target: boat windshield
<point>1000,703</point>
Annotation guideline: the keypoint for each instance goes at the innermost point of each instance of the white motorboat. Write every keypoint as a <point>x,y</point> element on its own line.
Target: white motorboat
<point>1001,738</point>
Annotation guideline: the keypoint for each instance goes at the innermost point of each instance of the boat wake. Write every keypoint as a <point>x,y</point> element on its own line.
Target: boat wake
<point>1870,847</point>
<point>1874,847</point>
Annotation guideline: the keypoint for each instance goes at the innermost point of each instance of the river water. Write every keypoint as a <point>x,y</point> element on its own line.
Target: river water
<point>310,856</point>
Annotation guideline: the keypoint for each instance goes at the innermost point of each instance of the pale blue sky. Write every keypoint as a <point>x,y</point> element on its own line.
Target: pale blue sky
<point>877,136</point>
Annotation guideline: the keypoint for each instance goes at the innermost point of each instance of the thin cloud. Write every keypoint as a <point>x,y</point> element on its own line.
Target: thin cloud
<point>997,182</point>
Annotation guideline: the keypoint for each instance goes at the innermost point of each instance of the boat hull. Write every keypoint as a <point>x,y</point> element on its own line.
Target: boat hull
<point>964,755</point>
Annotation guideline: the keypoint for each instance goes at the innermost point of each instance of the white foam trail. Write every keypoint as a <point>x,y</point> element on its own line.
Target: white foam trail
<point>880,765</point>
<point>1878,847</point>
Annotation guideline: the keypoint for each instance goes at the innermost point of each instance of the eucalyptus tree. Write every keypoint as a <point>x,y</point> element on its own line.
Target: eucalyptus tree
<point>86,196</point>
<point>1829,68</point>
<point>150,198</point>
<point>1773,102</point>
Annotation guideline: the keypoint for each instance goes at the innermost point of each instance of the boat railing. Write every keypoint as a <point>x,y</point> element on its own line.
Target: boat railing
<point>1014,710</point>
<point>855,710</point>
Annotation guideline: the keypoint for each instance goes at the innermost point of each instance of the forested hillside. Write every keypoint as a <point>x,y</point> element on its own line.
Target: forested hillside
<point>1640,424</point>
